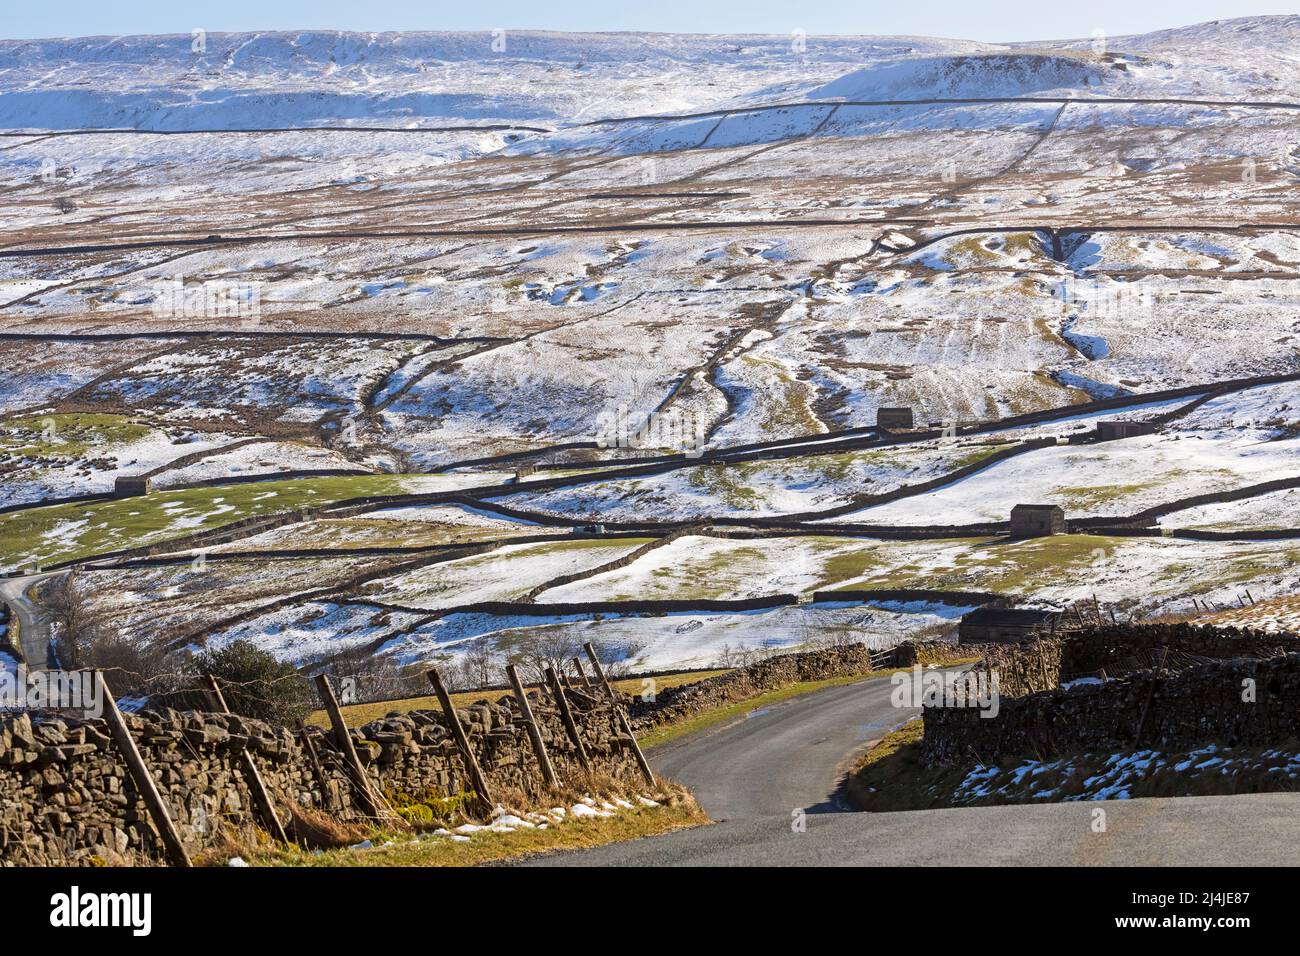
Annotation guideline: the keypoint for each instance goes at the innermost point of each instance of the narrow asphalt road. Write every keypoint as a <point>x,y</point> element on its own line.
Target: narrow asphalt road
<point>791,756</point>
<point>1250,830</point>
<point>754,775</point>
<point>33,625</point>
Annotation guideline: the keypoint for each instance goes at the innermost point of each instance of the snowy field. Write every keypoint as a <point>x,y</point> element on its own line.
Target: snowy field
<point>492,265</point>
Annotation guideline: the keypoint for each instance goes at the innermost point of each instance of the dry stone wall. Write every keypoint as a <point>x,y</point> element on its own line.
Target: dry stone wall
<point>1108,647</point>
<point>677,703</point>
<point>1140,711</point>
<point>66,795</point>
<point>1250,696</point>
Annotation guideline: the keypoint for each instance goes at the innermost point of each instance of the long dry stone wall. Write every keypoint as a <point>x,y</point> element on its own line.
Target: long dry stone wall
<point>1186,710</point>
<point>66,795</point>
<point>677,703</point>
<point>1231,686</point>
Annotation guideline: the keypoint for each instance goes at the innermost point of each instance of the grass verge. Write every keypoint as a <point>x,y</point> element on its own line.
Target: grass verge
<point>420,846</point>
<point>497,847</point>
<point>891,776</point>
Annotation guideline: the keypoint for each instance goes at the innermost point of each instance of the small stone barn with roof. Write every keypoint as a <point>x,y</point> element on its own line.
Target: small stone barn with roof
<point>1035,521</point>
<point>131,487</point>
<point>894,418</point>
<point>1112,430</point>
<point>1003,625</point>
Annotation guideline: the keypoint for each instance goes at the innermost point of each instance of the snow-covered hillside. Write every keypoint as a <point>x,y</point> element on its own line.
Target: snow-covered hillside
<point>247,80</point>
<point>404,79</point>
<point>562,254</point>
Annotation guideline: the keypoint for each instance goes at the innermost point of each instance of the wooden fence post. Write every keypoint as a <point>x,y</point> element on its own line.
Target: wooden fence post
<point>344,741</point>
<point>569,724</point>
<point>1155,680</point>
<point>535,735</point>
<point>255,783</point>
<point>462,741</point>
<point>577,663</point>
<point>600,671</point>
<point>623,721</point>
<point>310,746</point>
<point>144,781</point>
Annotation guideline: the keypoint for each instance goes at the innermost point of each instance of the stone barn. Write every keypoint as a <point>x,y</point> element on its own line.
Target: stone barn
<point>1110,431</point>
<point>1004,625</point>
<point>893,418</point>
<point>131,487</point>
<point>1035,521</point>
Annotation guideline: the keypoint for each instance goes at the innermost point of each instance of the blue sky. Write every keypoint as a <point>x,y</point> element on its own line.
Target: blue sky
<point>968,19</point>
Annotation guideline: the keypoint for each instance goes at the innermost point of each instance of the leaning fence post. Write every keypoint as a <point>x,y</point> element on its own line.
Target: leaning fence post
<point>144,781</point>
<point>326,800</point>
<point>623,721</point>
<point>600,671</point>
<point>577,663</point>
<point>255,783</point>
<point>1155,680</point>
<point>462,741</point>
<point>548,772</point>
<point>344,741</point>
<point>569,724</point>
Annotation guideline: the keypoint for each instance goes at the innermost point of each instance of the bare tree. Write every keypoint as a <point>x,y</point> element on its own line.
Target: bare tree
<point>480,667</point>
<point>739,655</point>
<point>368,678</point>
<point>548,647</point>
<point>618,660</point>
<point>75,623</point>
<point>133,667</point>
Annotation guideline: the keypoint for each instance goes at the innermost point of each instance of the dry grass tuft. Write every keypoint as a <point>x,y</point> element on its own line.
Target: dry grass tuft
<point>316,829</point>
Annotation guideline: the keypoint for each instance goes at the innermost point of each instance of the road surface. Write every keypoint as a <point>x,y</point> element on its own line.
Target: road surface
<point>791,756</point>
<point>33,625</point>
<point>754,775</point>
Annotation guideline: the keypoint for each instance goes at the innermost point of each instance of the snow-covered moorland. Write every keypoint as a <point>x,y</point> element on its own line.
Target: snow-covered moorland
<point>542,319</point>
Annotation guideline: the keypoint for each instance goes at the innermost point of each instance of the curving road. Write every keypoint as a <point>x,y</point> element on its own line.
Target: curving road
<point>33,624</point>
<point>790,756</point>
<point>752,775</point>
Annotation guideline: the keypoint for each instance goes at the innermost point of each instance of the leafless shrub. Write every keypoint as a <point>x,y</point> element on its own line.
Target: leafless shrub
<point>132,667</point>
<point>557,647</point>
<point>75,624</point>
<point>618,660</point>
<point>552,647</point>
<point>479,667</point>
<point>742,655</point>
<point>361,679</point>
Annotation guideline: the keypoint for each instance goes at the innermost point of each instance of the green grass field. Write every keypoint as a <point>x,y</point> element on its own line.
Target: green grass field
<point>72,531</point>
<point>68,436</point>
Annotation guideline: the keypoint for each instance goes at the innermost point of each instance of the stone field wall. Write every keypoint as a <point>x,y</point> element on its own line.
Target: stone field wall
<point>66,795</point>
<point>1196,700</point>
